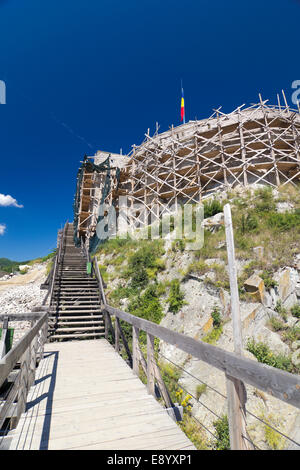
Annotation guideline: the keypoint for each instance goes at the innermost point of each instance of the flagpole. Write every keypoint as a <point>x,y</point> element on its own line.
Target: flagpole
<point>182,104</point>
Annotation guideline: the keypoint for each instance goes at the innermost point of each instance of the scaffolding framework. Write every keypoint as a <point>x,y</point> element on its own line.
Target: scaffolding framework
<point>188,163</point>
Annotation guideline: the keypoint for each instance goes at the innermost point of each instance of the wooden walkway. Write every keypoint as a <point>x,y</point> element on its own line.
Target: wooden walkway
<point>86,397</point>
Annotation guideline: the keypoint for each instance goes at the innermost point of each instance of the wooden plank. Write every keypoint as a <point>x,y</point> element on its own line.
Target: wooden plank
<point>106,403</point>
<point>278,383</point>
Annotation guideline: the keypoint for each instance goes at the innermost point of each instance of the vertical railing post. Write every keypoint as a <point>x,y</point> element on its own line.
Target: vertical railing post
<point>24,383</point>
<point>135,350</point>
<point>4,338</point>
<point>106,325</point>
<point>117,335</point>
<point>32,360</point>
<point>236,392</point>
<point>150,365</point>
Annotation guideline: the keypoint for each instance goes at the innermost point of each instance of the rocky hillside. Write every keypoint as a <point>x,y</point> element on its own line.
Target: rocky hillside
<point>188,291</point>
<point>20,293</point>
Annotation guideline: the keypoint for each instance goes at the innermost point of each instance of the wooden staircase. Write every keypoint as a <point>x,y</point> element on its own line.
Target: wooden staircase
<point>75,311</point>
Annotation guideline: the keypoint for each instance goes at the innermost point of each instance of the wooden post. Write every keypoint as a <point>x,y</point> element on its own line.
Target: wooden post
<point>117,335</point>
<point>150,365</point>
<point>236,392</point>
<point>24,383</point>
<point>3,337</point>
<point>105,314</point>
<point>135,350</point>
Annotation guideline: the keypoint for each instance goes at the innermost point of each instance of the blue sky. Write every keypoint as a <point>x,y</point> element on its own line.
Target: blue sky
<point>87,75</point>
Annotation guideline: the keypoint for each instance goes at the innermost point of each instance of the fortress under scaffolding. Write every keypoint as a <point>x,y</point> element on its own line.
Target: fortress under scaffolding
<point>258,144</point>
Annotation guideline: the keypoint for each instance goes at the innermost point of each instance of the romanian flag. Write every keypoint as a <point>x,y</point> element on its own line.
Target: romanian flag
<point>182,107</point>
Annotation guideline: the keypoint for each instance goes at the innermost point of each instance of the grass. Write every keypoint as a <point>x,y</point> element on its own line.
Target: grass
<point>273,439</point>
<point>200,389</point>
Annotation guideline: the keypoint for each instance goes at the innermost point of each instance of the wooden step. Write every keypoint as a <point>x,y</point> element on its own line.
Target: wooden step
<point>75,289</point>
<point>78,317</point>
<point>79,329</point>
<point>69,323</point>
<point>86,335</point>
<point>85,307</point>
<point>98,309</point>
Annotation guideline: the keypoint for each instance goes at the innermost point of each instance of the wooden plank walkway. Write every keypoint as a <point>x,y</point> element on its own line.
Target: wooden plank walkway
<point>86,397</point>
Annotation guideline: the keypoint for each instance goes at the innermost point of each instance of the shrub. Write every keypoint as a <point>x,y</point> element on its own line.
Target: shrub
<point>248,223</point>
<point>284,221</point>
<point>144,264</point>
<point>222,430</point>
<point>213,336</point>
<point>263,354</point>
<point>281,310</point>
<point>212,207</point>
<point>265,200</point>
<point>268,279</point>
<point>276,324</point>
<point>295,311</point>
<point>291,334</point>
<point>176,296</point>
<point>170,375</point>
<point>147,305</point>
<point>139,278</point>
<point>178,245</point>
<point>216,316</point>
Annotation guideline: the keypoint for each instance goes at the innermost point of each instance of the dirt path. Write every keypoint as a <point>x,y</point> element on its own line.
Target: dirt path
<point>37,274</point>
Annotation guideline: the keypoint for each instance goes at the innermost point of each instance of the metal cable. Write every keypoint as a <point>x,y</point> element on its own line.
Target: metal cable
<point>259,419</point>
<point>274,429</point>
<point>179,367</point>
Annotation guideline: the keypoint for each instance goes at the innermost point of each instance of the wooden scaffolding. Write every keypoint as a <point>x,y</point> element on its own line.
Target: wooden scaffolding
<point>257,144</point>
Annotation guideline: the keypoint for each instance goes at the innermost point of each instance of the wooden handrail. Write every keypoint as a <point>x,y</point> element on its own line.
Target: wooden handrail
<point>8,362</point>
<point>28,352</point>
<point>56,263</point>
<point>276,382</point>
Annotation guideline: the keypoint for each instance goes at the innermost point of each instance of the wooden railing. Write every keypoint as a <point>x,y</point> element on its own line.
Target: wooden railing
<point>237,369</point>
<point>57,261</point>
<point>25,356</point>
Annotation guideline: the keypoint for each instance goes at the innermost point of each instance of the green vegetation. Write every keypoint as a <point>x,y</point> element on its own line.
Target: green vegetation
<point>147,305</point>
<point>213,336</point>
<point>263,354</point>
<point>193,430</point>
<point>273,439</point>
<point>222,431</point>
<point>216,316</point>
<point>295,311</point>
<point>176,296</point>
<point>144,264</point>
<point>10,266</point>
<point>200,389</point>
<point>212,207</point>
<point>281,310</point>
<point>269,282</point>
